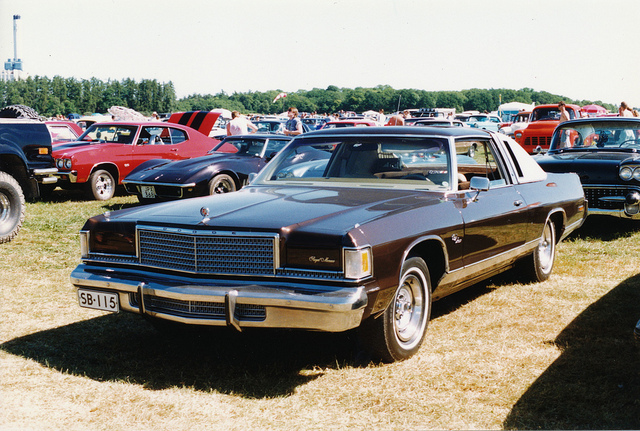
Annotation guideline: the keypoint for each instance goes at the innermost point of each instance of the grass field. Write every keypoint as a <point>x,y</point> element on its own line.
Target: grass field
<point>553,355</point>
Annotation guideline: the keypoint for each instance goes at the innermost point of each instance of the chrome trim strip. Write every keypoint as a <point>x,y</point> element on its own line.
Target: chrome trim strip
<point>145,183</point>
<point>614,213</point>
<point>466,273</point>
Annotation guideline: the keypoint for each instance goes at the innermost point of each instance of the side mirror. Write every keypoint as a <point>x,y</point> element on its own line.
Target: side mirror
<point>271,156</point>
<point>252,176</point>
<point>479,184</point>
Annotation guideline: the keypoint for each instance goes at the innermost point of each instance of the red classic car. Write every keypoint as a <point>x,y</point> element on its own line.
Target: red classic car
<point>544,118</point>
<point>108,152</point>
<point>63,131</point>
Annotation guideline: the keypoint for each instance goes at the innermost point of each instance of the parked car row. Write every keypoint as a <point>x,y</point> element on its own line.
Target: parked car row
<point>341,228</point>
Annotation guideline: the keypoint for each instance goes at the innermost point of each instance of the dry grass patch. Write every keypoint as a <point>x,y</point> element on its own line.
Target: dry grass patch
<point>558,354</point>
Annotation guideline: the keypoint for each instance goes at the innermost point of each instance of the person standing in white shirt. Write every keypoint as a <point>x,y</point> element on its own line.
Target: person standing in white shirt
<point>239,125</point>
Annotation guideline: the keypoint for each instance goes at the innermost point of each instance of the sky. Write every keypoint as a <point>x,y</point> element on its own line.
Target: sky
<point>579,49</point>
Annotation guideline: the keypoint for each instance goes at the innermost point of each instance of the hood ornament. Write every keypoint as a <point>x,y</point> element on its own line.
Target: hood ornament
<point>204,212</point>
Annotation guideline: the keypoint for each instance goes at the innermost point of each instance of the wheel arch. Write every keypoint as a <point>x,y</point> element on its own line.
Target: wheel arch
<point>559,219</point>
<point>109,167</point>
<point>433,251</point>
<point>231,173</point>
<point>14,165</point>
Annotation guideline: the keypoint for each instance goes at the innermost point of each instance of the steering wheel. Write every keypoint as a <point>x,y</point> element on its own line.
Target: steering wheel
<point>628,142</point>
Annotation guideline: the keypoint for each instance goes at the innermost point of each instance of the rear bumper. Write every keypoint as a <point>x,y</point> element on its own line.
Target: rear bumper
<point>228,302</point>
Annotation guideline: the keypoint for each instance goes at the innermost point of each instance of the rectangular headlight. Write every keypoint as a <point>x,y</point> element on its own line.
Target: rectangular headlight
<point>357,263</point>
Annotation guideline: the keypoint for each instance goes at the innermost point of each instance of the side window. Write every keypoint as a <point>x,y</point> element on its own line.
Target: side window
<point>479,158</point>
<point>152,136</point>
<point>177,136</point>
<point>274,146</point>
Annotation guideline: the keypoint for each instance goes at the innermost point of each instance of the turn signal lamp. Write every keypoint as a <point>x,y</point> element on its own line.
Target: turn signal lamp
<point>357,263</point>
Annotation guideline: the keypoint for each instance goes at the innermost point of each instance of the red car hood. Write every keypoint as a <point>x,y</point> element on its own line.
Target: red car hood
<point>202,121</point>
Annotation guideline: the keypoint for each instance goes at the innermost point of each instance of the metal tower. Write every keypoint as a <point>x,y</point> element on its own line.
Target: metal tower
<point>13,67</point>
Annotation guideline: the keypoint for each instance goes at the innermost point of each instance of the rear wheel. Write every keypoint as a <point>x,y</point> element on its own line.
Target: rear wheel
<point>539,265</point>
<point>102,185</point>
<point>12,207</point>
<point>221,183</point>
<point>398,333</point>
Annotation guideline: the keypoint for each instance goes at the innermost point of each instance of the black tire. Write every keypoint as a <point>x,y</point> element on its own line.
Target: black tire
<point>12,207</point>
<point>538,266</point>
<point>19,111</point>
<point>398,333</point>
<point>221,183</point>
<point>102,185</point>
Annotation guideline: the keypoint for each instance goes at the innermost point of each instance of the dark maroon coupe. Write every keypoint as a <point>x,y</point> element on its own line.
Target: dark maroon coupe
<point>390,220</point>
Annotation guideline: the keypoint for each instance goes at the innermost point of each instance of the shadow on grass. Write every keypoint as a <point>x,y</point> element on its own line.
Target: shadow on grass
<point>595,383</point>
<point>125,347</point>
<point>80,194</point>
<point>606,228</point>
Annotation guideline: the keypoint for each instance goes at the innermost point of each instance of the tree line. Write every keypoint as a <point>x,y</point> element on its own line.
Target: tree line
<point>62,96</point>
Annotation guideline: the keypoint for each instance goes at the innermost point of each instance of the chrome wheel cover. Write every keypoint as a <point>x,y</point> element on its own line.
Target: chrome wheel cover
<point>546,249</point>
<point>222,185</point>
<point>103,185</point>
<point>409,313</point>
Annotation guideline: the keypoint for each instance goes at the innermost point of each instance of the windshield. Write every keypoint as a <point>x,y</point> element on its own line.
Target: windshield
<point>375,161</point>
<point>552,113</point>
<point>269,126</point>
<point>250,146</point>
<point>597,135</point>
<point>109,133</point>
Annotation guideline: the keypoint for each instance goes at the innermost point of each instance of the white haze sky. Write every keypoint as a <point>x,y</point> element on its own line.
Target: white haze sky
<point>580,49</point>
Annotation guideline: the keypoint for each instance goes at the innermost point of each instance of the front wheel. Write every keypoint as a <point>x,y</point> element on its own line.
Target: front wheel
<point>12,207</point>
<point>221,183</point>
<point>102,185</point>
<point>399,332</point>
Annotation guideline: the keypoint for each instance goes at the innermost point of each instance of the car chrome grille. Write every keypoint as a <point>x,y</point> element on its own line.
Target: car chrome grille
<point>594,195</point>
<point>197,309</point>
<point>208,252</point>
<point>537,140</point>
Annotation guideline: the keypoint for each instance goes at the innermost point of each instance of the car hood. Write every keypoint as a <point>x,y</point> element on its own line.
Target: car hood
<point>591,166</point>
<point>72,148</point>
<point>170,171</point>
<point>76,144</point>
<point>542,124</point>
<point>276,209</point>
<point>202,121</point>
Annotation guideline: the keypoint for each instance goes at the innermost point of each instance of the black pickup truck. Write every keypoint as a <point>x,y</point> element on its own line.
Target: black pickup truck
<point>25,164</point>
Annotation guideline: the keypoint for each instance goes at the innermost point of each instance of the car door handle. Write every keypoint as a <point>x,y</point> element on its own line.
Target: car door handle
<point>518,203</point>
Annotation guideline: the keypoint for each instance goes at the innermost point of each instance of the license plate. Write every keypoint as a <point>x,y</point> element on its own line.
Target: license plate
<point>148,192</point>
<point>98,300</point>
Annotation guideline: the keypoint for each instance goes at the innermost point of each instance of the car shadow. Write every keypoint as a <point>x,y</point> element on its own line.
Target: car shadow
<point>606,228</point>
<point>79,193</point>
<point>125,347</point>
<point>595,383</point>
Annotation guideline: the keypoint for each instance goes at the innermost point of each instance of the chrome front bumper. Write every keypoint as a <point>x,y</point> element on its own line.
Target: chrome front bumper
<point>228,302</point>
<point>46,175</point>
